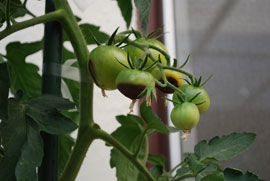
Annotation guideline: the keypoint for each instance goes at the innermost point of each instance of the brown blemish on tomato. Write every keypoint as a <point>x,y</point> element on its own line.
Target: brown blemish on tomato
<point>131,91</point>
<point>92,71</point>
<point>168,90</point>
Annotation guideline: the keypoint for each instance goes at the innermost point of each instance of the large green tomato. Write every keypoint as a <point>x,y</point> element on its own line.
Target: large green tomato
<point>185,116</point>
<point>190,91</point>
<point>136,53</point>
<point>104,67</point>
<point>132,82</point>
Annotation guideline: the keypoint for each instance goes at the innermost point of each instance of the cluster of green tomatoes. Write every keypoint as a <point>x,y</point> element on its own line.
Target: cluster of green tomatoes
<point>137,67</point>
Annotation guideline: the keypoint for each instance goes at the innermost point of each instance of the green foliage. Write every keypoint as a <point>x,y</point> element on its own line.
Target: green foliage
<point>17,9</point>
<point>144,7</point>
<point>232,174</point>
<point>224,148</point>
<point>66,143</point>
<point>87,29</point>
<point>152,120</point>
<point>20,133</point>
<point>23,76</point>
<point>130,131</point>
<point>126,10</point>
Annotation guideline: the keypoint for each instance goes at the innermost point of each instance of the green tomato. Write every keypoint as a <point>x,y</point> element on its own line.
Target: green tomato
<point>185,116</point>
<point>190,91</point>
<point>174,77</point>
<point>132,82</point>
<point>104,67</point>
<point>136,53</point>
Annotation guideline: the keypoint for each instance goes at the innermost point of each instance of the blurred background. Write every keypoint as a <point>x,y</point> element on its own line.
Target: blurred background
<point>227,38</point>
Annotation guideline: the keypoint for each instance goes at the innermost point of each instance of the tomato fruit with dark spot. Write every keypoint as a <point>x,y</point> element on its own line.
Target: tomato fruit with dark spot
<point>172,76</point>
<point>202,99</point>
<point>185,116</point>
<point>104,67</point>
<point>131,82</point>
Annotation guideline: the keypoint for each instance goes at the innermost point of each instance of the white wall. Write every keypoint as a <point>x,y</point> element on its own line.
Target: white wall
<point>106,14</point>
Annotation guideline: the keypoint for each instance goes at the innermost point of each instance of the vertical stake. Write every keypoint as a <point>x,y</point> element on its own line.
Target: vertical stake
<point>52,57</point>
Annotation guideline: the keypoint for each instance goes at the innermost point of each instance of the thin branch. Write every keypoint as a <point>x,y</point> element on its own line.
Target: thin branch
<point>117,145</point>
<point>28,23</point>
<point>140,144</point>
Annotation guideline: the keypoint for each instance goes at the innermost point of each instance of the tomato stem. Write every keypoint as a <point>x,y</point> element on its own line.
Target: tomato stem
<point>100,134</point>
<point>136,154</point>
<point>56,15</point>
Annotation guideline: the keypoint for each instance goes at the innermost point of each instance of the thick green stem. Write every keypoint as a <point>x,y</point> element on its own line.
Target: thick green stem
<point>86,131</point>
<point>28,23</point>
<point>117,145</point>
<point>84,140</point>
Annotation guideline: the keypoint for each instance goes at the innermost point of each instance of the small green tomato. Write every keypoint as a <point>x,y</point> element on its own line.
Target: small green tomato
<point>185,116</point>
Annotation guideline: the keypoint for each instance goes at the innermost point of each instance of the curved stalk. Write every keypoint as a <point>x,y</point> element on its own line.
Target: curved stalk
<point>84,140</point>
<point>140,144</point>
<point>117,145</point>
<point>28,23</point>
<point>178,70</point>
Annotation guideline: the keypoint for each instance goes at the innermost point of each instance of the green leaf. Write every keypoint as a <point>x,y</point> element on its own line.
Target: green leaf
<point>67,55</point>
<point>65,146</point>
<point>143,6</point>
<point>128,134</point>
<point>157,171</point>
<point>22,143</point>
<point>224,148</point>
<point>172,129</point>
<point>87,28</point>
<point>23,76</point>
<point>152,120</point>
<point>131,127</point>
<point>4,90</point>
<point>44,111</point>
<point>31,154</point>
<point>194,164</point>
<point>157,159</point>
<point>126,10</point>
<point>184,172</point>
<point>217,176</point>
<point>232,174</point>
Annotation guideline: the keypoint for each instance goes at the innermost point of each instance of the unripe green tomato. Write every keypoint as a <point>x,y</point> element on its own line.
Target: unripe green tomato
<point>136,53</point>
<point>185,116</point>
<point>132,82</point>
<point>172,76</point>
<point>190,91</point>
<point>104,67</point>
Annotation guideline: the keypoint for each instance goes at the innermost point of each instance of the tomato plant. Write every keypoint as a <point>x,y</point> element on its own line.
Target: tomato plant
<point>35,118</point>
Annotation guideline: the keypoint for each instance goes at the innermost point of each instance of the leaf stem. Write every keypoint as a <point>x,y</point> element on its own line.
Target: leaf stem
<point>28,23</point>
<point>178,165</point>
<point>116,144</point>
<point>140,143</point>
